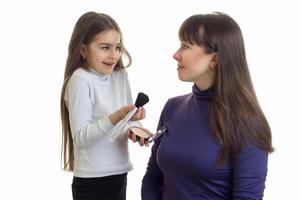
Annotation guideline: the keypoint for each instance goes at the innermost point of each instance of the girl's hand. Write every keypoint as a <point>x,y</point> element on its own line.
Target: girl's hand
<point>121,113</point>
<point>139,115</point>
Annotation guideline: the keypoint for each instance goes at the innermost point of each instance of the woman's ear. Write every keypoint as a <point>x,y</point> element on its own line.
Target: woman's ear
<point>214,60</point>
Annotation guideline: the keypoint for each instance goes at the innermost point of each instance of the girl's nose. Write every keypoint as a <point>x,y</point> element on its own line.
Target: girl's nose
<point>113,54</point>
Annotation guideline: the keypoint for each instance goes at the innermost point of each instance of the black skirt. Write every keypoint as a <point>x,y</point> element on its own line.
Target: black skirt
<point>103,188</point>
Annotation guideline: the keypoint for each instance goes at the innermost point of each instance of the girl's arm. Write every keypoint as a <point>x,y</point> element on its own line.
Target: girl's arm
<point>84,129</point>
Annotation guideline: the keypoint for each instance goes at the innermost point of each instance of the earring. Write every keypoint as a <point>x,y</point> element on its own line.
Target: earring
<point>212,72</point>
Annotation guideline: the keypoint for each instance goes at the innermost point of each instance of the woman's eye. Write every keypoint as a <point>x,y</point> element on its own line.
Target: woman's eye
<point>183,46</point>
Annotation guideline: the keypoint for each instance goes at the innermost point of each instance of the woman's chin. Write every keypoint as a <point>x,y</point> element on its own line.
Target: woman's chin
<point>184,79</point>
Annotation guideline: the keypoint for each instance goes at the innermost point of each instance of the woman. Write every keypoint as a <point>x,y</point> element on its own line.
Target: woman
<point>218,139</point>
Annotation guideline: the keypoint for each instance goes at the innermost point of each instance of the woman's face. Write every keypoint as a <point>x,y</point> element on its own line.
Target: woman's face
<point>193,63</point>
<point>104,52</point>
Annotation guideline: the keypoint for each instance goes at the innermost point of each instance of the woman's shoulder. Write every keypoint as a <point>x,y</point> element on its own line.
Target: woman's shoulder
<point>179,99</point>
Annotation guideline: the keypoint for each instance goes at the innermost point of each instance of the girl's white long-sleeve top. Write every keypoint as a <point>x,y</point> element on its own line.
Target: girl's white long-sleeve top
<point>90,98</point>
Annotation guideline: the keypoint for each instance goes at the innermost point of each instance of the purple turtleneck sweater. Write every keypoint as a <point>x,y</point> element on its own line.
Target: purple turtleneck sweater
<point>182,163</point>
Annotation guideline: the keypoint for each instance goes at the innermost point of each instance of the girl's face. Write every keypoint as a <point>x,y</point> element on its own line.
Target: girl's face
<point>104,52</point>
<point>193,64</point>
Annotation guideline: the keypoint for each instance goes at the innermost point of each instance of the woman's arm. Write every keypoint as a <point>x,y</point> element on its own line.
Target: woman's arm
<point>249,174</point>
<point>153,182</point>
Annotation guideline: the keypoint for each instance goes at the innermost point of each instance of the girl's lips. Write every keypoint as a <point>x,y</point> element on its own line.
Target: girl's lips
<point>109,63</point>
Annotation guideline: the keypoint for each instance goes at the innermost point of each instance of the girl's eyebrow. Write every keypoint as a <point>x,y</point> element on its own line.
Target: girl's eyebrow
<point>105,44</point>
<point>109,44</point>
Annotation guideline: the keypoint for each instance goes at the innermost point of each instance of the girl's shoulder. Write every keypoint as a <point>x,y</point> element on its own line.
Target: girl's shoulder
<point>88,76</point>
<point>120,72</point>
<point>81,73</point>
<point>120,75</point>
<point>80,76</point>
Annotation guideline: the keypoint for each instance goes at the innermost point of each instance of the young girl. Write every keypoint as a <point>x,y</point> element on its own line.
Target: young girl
<point>95,96</point>
<point>218,139</point>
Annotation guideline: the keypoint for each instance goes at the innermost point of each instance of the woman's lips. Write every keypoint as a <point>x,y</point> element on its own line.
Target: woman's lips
<point>180,67</point>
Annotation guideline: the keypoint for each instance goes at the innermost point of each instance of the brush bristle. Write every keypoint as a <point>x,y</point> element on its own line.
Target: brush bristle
<point>141,100</point>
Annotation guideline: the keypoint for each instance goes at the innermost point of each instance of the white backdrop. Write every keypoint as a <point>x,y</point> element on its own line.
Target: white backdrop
<point>34,37</point>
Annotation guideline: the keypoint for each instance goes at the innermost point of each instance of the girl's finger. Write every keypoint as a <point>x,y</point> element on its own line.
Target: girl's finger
<point>144,114</point>
<point>133,137</point>
<point>142,141</point>
<point>130,135</point>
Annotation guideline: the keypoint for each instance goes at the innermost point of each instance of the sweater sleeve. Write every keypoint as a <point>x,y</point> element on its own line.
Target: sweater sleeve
<point>249,174</point>
<point>152,184</point>
<point>84,129</point>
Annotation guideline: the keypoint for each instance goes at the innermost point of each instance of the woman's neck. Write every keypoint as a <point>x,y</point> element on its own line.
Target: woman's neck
<point>204,83</point>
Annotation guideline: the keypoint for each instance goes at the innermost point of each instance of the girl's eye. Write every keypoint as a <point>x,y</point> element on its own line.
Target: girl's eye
<point>119,49</point>
<point>105,47</point>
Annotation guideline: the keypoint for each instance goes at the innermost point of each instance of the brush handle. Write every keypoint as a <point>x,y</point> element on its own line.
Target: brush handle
<point>158,133</point>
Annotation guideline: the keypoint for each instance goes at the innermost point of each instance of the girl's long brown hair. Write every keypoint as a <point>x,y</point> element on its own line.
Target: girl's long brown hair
<point>236,117</point>
<point>87,26</point>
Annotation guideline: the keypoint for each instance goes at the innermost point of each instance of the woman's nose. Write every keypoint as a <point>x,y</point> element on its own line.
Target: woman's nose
<point>176,56</point>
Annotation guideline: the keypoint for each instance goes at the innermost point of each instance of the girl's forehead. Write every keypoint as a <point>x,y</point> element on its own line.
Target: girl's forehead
<point>109,36</point>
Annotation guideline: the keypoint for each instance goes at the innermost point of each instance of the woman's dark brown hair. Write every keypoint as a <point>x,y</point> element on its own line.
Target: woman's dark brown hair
<point>87,27</point>
<point>236,117</point>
